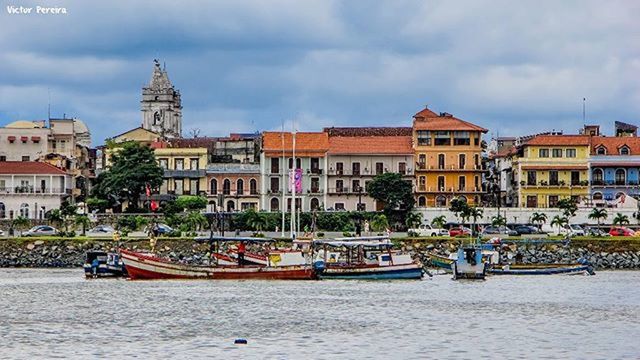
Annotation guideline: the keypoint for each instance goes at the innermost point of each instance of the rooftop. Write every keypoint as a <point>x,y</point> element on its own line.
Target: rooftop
<point>577,140</point>
<point>374,145</point>
<point>613,144</point>
<point>368,131</point>
<point>429,120</point>
<point>307,143</point>
<point>29,168</point>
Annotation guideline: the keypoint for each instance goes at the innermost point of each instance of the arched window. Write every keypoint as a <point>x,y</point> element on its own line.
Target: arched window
<point>231,206</point>
<point>624,150</point>
<point>597,196</point>
<point>462,161</point>
<point>621,176</point>
<point>226,187</point>
<point>441,201</point>
<point>462,198</point>
<point>253,186</point>
<point>24,210</point>
<point>214,187</point>
<point>2,211</point>
<point>275,204</point>
<point>422,201</point>
<point>315,204</point>
<point>597,176</point>
<point>240,187</point>
<point>601,150</point>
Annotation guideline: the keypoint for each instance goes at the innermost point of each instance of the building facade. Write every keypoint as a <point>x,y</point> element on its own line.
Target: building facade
<point>161,105</point>
<point>615,168</point>
<point>31,189</point>
<point>277,163</point>
<point>356,156</point>
<point>184,169</point>
<point>549,168</point>
<point>447,152</point>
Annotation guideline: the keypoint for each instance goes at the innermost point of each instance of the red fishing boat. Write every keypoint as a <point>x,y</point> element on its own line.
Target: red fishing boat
<point>282,265</point>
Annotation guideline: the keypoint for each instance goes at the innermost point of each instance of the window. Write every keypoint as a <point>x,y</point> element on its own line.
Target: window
<point>441,201</point>
<point>194,164</point>
<point>379,168</point>
<point>315,165</point>
<point>25,158</point>
<point>339,206</point>
<point>441,163</point>
<point>553,177</point>
<point>298,163</point>
<point>3,158</point>
<point>571,153</point>
<point>179,186</point>
<point>476,159</point>
<point>231,206</point>
<point>339,168</point>
<point>315,204</point>
<point>620,177</point>
<point>424,137</point>
<point>440,183</point>
<point>532,201</point>
<point>601,150</point>
<point>461,138</point>
<point>462,161</point>
<point>462,183</point>
<point>2,211</point>
<point>422,161</point>
<point>402,168</point>
<point>164,163</point>
<point>553,200</point>
<point>422,201</point>
<point>253,186</point>
<point>226,187</point>
<point>214,186</point>
<point>361,207</point>
<point>339,186</point>
<point>179,164</point>
<point>556,153</point>
<point>624,150</point>
<point>597,196</point>
<point>246,206</point>
<point>575,178</point>
<point>275,165</point>
<point>63,145</point>
<point>355,167</point>
<point>532,178</point>
<point>315,185</point>
<point>422,183</point>
<point>275,184</point>
<point>194,186</point>
<point>275,204</point>
<point>442,138</point>
<point>477,183</point>
<point>355,185</point>
<point>597,177</point>
<point>543,153</point>
<point>24,210</point>
<point>240,187</point>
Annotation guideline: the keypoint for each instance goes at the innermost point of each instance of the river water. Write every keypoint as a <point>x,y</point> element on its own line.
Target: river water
<point>59,314</point>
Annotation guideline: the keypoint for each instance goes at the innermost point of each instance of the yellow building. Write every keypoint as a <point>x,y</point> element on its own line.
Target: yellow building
<point>448,159</point>
<point>184,169</point>
<point>549,168</point>
<point>139,135</point>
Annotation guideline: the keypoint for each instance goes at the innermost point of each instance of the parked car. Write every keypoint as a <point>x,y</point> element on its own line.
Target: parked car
<point>621,231</point>
<point>160,229</point>
<point>592,231</point>
<point>525,229</point>
<point>459,231</point>
<point>41,230</point>
<point>576,230</point>
<point>501,230</point>
<point>101,230</point>
<point>428,230</point>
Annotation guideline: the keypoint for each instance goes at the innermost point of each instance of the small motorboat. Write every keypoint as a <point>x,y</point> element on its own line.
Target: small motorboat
<point>469,264</point>
<point>99,264</point>
<point>364,258</point>
<point>580,268</point>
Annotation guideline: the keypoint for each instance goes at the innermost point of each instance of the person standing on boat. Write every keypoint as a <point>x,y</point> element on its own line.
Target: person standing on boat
<point>241,251</point>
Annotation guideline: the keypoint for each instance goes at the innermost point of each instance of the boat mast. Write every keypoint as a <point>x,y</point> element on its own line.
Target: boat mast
<point>283,207</point>
<point>292,179</point>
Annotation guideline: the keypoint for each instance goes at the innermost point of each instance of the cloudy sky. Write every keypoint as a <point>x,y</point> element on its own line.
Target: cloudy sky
<point>515,67</point>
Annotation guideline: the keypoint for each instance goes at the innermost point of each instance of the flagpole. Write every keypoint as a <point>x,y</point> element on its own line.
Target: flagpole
<point>293,187</point>
<point>283,208</point>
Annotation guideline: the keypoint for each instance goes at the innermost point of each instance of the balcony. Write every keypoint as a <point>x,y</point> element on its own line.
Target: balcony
<point>611,183</point>
<point>543,184</point>
<point>188,174</point>
<point>367,172</point>
<point>450,168</point>
<point>235,193</point>
<point>29,190</point>
<point>448,189</point>
<point>235,168</point>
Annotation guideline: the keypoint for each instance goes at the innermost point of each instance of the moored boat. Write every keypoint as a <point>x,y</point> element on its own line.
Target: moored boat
<point>582,267</point>
<point>99,264</point>
<point>364,258</point>
<point>469,263</point>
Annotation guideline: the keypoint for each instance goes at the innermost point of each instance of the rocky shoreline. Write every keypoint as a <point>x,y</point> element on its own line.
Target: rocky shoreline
<point>69,253</point>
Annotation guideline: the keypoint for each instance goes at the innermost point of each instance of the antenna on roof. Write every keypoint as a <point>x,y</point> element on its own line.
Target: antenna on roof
<point>584,107</point>
<point>49,104</point>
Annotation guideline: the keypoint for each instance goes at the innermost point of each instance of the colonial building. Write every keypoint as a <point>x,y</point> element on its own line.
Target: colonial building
<point>549,168</point>
<point>448,153</point>
<point>31,189</point>
<point>615,168</point>
<point>184,168</point>
<point>161,105</point>
<point>356,155</point>
<point>277,163</point>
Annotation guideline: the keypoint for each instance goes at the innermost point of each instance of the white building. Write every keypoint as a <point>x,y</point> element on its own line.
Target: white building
<point>31,189</point>
<point>161,105</point>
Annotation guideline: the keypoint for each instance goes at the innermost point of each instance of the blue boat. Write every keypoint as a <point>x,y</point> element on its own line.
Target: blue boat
<point>363,258</point>
<point>469,264</point>
<point>100,264</point>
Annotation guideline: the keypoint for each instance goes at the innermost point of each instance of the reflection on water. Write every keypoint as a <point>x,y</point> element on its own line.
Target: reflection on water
<point>56,313</point>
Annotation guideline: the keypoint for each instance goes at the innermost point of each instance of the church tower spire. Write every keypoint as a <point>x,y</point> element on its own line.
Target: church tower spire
<point>161,105</point>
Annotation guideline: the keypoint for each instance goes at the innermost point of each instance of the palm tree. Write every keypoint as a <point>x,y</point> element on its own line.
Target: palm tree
<point>414,219</point>
<point>498,220</point>
<point>84,222</point>
<point>194,220</point>
<point>439,221</point>
<point>559,221</point>
<point>379,223</point>
<point>620,219</point>
<point>20,223</point>
<point>257,221</point>
<point>55,217</point>
<point>598,214</point>
<point>539,218</point>
<point>475,213</point>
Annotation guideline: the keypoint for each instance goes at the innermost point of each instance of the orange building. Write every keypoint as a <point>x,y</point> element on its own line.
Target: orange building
<point>448,152</point>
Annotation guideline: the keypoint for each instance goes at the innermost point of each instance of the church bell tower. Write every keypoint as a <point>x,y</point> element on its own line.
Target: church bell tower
<point>161,105</point>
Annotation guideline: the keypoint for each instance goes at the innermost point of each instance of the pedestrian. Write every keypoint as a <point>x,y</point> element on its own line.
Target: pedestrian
<point>366,227</point>
<point>358,229</point>
<point>241,250</point>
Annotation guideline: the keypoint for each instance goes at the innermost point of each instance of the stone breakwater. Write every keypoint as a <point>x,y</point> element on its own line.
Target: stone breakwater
<point>70,253</point>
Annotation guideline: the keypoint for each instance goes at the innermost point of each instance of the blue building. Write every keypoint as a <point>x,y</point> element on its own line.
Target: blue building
<point>614,168</point>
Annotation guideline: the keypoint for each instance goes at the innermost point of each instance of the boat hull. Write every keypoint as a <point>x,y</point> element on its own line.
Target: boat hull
<point>393,272</point>
<point>440,262</point>
<point>544,270</point>
<point>148,267</point>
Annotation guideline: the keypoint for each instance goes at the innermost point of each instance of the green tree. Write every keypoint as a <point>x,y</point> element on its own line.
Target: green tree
<point>84,222</point>
<point>191,202</point>
<point>100,205</point>
<point>460,209</point>
<point>414,219</point>
<point>379,223</point>
<point>539,219</point>
<point>439,221</point>
<point>598,215</point>
<point>393,191</point>
<point>475,213</point>
<point>620,219</point>
<point>55,218</point>
<point>568,207</point>
<point>133,167</point>
<point>498,220</point>
<point>21,223</point>
<point>194,221</point>
<point>559,221</point>
<point>256,221</point>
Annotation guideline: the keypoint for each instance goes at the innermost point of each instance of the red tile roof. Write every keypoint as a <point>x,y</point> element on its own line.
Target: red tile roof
<point>613,144</point>
<point>29,168</point>
<point>550,140</point>
<point>368,131</point>
<point>313,144</point>
<point>555,167</point>
<point>428,120</point>
<point>374,145</point>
